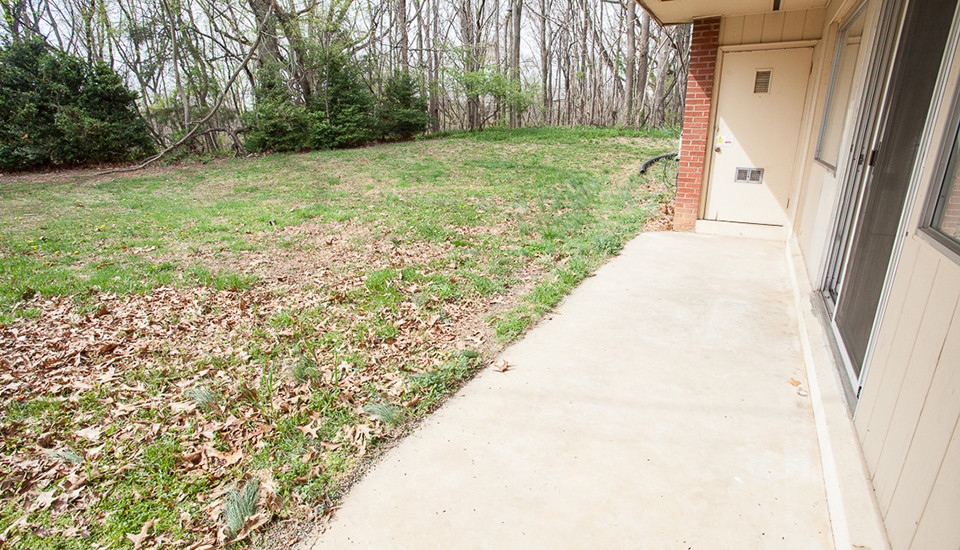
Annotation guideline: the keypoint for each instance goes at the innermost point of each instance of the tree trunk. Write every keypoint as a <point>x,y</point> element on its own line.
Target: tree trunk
<point>468,30</point>
<point>545,61</point>
<point>402,41</point>
<point>269,51</point>
<point>658,112</point>
<point>302,71</point>
<point>644,69</point>
<point>515,61</point>
<point>631,60</point>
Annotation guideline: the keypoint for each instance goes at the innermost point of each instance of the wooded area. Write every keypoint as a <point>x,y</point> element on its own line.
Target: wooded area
<point>202,67</point>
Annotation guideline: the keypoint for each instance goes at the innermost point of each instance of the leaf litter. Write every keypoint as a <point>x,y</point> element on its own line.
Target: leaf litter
<point>228,409</point>
<point>192,365</point>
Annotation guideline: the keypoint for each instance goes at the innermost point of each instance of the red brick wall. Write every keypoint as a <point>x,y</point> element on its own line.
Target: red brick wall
<point>695,142</point>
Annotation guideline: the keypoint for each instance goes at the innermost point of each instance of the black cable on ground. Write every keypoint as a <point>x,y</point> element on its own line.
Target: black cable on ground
<point>648,162</point>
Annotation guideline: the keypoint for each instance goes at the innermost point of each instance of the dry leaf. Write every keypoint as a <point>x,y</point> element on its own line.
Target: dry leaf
<point>91,433</point>
<point>794,382</point>
<point>44,500</point>
<point>252,523</point>
<point>229,458</point>
<point>142,536</point>
<point>311,429</point>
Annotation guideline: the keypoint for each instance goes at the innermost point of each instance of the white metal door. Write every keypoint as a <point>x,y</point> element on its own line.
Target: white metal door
<point>756,135</point>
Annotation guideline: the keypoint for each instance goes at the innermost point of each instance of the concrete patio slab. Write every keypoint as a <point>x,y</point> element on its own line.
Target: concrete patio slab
<point>663,405</point>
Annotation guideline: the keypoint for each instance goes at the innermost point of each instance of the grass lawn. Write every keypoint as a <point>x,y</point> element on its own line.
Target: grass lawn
<point>193,351</point>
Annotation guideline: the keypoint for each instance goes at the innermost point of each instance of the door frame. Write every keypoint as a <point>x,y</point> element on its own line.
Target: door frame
<point>937,110</point>
<point>853,168</point>
<point>717,77</point>
<point>879,119</point>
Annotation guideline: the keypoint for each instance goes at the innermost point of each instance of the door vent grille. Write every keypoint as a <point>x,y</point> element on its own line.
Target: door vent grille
<point>761,84</point>
<point>749,175</point>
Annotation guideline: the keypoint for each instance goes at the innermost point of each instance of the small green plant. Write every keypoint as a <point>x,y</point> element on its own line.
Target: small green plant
<point>205,397</point>
<point>67,455</point>
<point>240,505</point>
<point>391,415</point>
<point>304,369</point>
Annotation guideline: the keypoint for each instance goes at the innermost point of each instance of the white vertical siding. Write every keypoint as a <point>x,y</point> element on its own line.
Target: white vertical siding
<point>909,408</point>
<point>778,26</point>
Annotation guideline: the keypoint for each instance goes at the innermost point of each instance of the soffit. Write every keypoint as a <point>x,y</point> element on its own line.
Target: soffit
<point>669,12</point>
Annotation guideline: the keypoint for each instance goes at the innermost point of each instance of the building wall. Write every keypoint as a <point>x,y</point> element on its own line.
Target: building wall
<point>908,413</point>
<point>696,122</point>
<point>708,36</point>
<point>817,192</point>
<point>766,28</point>
<point>910,403</point>
<point>908,416</point>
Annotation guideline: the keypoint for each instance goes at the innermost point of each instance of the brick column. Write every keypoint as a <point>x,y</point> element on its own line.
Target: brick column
<point>695,142</point>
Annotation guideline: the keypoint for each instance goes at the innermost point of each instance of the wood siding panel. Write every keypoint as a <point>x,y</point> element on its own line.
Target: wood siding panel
<point>813,24</point>
<point>894,371</point>
<point>885,338</point>
<point>732,33</point>
<point>938,313</point>
<point>752,29</point>
<point>772,27</point>
<point>908,416</point>
<point>939,527</point>
<point>937,423</point>
<point>793,25</point>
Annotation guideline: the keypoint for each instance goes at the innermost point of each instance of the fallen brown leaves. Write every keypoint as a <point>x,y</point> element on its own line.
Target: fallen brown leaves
<point>181,396</point>
<point>189,368</point>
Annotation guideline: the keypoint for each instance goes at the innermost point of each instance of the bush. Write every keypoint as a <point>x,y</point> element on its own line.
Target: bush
<point>344,106</point>
<point>343,112</point>
<point>61,111</point>
<point>402,112</point>
<point>276,124</point>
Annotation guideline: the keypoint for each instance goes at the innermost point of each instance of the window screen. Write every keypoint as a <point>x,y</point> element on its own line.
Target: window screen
<point>841,85</point>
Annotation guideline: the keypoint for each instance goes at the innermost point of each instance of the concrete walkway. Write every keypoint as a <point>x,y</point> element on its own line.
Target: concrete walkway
<point>658,407</point>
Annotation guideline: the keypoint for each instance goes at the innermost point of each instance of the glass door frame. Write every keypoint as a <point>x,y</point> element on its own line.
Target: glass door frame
<point>868,131</point>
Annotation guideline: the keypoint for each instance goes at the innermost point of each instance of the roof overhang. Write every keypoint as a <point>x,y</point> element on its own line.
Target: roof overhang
<point>672,12</point>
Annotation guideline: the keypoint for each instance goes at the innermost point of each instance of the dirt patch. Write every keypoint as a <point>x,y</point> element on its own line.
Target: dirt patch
<point>310,253</point>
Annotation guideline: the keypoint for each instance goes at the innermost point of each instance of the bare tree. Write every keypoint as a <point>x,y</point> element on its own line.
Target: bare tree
<point>579,61</point>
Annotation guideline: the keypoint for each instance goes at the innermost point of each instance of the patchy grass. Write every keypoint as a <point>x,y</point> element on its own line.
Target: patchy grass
<point>193,351</point>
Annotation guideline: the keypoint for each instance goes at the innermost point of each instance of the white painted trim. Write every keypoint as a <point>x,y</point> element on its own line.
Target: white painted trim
<point>770,46</point>
<point>855,518</point>
<point>845,357</point>
<point>835,507</point>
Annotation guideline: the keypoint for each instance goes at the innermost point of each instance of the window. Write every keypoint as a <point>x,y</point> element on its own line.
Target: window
<point>841,85</point>
<point>946,208</point>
